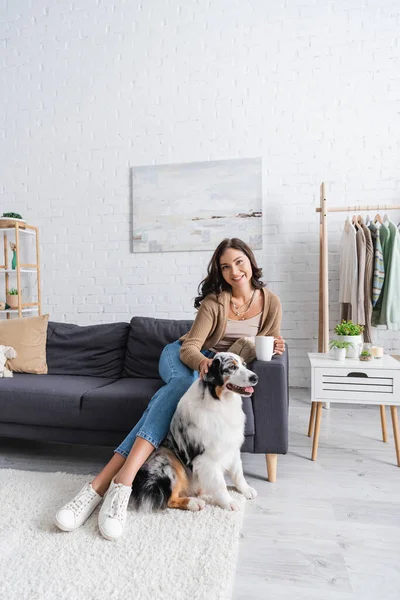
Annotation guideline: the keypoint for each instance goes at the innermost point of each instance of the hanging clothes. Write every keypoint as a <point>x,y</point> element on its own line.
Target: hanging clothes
<point>369,264</point>
<point>384,236</point>
<point>348,273</point>
<point>390,311</point>
<point>378,264</point>
<point>361,250</point>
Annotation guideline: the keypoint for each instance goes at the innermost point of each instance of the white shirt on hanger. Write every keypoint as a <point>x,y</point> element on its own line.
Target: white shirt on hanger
<point>348,268</point>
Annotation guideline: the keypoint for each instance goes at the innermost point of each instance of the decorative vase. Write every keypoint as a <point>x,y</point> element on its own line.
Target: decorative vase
<point>339,353</point>
<point>14,260</point>
<point>356,342</point>
<point>12,300</point>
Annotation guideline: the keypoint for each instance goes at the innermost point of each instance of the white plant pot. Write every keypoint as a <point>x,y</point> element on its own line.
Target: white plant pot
<point>356,342</point>
<point>339,353</point>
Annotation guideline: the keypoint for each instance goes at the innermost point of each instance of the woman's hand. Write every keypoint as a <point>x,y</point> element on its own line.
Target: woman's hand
<point>279,345</point>
<point>203,366</point>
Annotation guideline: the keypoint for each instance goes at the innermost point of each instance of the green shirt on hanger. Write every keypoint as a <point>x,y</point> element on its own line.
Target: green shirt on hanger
<point>390,310</point>
<point>384,236</point>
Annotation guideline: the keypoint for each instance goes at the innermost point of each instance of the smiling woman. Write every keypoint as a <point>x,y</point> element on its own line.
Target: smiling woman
<point>233,304</point>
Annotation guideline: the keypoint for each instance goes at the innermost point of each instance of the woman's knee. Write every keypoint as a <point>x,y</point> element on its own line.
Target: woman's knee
<point>171,366</point>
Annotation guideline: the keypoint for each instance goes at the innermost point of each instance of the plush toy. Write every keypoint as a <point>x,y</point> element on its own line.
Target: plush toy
<point>6,352</point>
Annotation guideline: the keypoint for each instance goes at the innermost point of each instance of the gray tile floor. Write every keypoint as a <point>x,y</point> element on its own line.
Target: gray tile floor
<point>325,530</point>
<point>328,529</point>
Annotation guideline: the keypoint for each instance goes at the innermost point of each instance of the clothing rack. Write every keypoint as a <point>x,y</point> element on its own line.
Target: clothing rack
<point>323,318</point>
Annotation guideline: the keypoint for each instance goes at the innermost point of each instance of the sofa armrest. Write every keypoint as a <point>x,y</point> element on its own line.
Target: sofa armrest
<point>270,404</point>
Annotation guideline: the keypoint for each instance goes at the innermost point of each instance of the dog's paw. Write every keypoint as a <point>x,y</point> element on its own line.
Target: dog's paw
<point>249,493</point>
<point>233,506</point>
<point>229,505</point>
<point>196,504</point>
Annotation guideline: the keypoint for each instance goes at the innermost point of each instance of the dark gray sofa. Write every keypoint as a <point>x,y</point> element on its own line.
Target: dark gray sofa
<point>101,378</point>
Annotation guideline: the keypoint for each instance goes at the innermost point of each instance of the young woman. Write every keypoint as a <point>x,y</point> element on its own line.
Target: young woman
<point>233,303</point>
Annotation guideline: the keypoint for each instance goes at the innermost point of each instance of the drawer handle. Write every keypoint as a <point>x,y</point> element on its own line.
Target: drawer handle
<point>357,375</point>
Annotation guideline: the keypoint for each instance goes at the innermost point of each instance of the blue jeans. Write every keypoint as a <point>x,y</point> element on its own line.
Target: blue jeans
<point>155,421</point>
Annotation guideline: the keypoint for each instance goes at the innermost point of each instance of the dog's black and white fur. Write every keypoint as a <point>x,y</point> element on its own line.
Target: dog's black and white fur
<point>204,441</point>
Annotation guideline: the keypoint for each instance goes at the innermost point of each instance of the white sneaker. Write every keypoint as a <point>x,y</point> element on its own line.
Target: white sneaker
<point>74,514</point>
<point>112,515</point>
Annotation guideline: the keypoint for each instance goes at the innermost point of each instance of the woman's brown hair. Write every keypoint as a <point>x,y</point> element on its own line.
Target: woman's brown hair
<point>214,283</point>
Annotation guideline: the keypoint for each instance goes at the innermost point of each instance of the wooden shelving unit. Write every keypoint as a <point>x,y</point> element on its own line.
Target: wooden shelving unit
<point>17,230</point>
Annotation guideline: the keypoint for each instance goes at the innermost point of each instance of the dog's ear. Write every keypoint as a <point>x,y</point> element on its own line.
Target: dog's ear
<point>214,375</point>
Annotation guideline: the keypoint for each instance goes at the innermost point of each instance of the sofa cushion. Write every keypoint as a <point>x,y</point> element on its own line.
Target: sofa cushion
<point>28,338</point>
<point>123,402</point>
<point>53,400</point>
<point>146,340</point>
<point>119,405</point>
<point>92,350</point>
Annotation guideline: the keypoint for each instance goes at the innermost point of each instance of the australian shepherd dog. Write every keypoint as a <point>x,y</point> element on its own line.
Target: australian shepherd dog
<point>204,441</point>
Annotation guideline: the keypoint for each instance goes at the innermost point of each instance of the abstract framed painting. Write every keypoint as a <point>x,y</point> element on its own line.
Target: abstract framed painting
<point>193,206</point>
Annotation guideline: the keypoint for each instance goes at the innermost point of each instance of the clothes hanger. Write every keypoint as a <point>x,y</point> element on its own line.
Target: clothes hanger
<point>378,219</point>
<point>386,218</point>
<point>347,221</point>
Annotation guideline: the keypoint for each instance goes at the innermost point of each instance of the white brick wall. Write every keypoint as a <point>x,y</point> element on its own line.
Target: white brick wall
<point>91,88</point>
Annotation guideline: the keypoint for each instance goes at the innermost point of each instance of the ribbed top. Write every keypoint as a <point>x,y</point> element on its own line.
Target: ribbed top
<point>236,330</point>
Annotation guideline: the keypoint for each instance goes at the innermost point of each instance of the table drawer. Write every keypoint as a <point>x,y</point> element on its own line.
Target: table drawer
<point>361,385</point>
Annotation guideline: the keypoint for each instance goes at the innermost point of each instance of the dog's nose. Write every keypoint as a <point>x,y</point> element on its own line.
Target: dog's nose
<point>253,379</point>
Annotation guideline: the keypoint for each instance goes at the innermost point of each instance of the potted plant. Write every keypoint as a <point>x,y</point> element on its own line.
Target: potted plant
<point>347,331</point>
<point>339,349</point>
<point>12,298</point>
<point>366,352</point>
<point>10,219</point>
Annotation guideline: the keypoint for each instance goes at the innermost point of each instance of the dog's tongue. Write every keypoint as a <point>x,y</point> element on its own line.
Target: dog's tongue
<point>249,390</point>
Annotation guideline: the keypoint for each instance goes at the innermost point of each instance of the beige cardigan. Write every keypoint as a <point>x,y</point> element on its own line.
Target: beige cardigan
<point>210,325</point>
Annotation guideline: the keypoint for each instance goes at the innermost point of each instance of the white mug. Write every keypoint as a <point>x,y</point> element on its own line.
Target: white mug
<point>265,347</point>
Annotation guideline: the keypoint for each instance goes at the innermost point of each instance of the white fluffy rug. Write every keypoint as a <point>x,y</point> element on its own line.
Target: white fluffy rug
<point>173,555</point>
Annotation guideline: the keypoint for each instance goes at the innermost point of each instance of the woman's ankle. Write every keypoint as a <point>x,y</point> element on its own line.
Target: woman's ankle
<point>100,487</point>
<point>123,478</point>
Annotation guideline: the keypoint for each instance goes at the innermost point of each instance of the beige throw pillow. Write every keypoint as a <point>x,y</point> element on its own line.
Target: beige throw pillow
<point>28,338</point>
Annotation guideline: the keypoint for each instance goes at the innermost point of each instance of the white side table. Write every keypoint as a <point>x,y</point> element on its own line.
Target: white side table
<point>354,382</point>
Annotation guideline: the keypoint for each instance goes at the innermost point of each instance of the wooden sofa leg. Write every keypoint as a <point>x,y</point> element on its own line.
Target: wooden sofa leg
<point>272,462</point>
